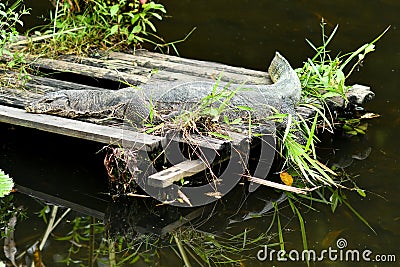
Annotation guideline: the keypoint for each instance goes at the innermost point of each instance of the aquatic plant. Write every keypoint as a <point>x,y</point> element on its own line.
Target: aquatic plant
<point>323,76</point>
<point>98,24</point>
<point>6,184</point>
<point>7,210</point>
<point>10,18</point>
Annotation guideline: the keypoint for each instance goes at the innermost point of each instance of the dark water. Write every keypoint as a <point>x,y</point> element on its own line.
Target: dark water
<point>246,33</point>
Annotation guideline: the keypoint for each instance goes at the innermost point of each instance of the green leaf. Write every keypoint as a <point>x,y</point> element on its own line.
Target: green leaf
<point>6,184</point>
<point>135,18</point>
<point>302,227</point>
<point>114,10</point>
<point>237,121</point>
<point>136,29</point>
<point>280,231</point>
<point>148,22</point>
<point>334,200</point>
<point>369,48</point>
<point>113,29</point>
<point>359,130</point>
<point>213,112</point>
<point>347,128</point>
<point>330,94</point>
<point>226,120</point>
<point>363,126</point>
<point>120,17</point>
<point>244,108</point>
<point>340,75</point>
<point>158,16</point>
<point>361,192</point>
<point>160,7</point>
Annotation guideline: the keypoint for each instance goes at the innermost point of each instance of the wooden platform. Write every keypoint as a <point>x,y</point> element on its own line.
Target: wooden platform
<point>114,71</point>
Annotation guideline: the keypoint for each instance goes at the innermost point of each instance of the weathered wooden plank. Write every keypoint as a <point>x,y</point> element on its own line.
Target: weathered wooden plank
<point>229,74</point>
<point>52,85</point>
<point>201,63</point>
<point>16,97</point>
<point>126,66</point>
<point>171,70</point>
<point>80,129</point>
<point>175,173</point>
<point>90,71</point>
<point>42,85</point>
<point>196,140</point>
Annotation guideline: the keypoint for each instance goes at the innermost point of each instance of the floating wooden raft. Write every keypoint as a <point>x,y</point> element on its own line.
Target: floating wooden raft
<point>113,71</point>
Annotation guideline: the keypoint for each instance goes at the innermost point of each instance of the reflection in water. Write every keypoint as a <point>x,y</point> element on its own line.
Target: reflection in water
<point>135,230</point>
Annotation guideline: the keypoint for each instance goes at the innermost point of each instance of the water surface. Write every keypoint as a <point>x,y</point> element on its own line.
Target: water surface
<point>247,33</point>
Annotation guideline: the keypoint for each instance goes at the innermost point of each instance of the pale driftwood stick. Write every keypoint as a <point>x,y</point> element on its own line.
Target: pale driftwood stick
<point>277,185</point>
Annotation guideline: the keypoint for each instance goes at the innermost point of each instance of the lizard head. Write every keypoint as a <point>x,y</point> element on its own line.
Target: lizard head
<point>51,103</point>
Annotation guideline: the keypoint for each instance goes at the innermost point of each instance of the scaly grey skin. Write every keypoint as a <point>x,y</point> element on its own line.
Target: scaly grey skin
<point>126,103</point>
<point>133,104</point>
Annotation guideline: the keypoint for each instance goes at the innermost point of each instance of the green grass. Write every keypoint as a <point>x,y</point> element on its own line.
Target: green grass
<point>6,184</point>
<point>97,24</point>
<point>10,19</point>
<point>208,117</point>
<point>323,76</point>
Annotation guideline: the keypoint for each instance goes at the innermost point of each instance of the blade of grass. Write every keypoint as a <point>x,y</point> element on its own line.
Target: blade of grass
<point>311,136</point>
<point>325,44</point>
<point>359,215</point>
<point>302,227</point>
<point>364,47</point>
<point>288,126</point>
<point>182,251</point>
<point>280,232</point>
